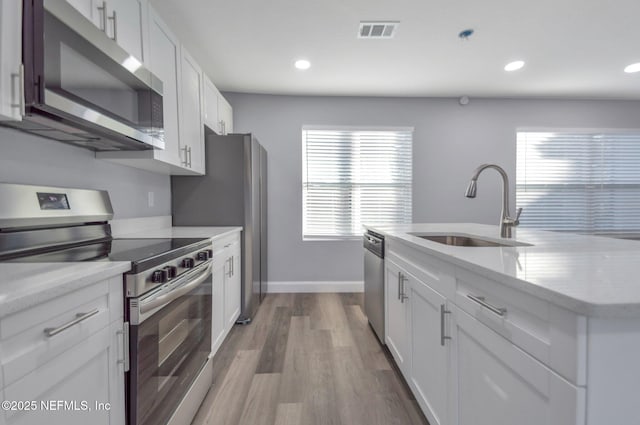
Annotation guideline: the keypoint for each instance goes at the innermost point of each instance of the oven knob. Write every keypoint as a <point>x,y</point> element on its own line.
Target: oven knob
<point>187,263</point>
<point>159,276</point>
<point>172,271</point>
<point>203,256</point>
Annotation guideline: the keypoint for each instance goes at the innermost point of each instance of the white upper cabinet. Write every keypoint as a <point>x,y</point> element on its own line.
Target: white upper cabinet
<point>11,72</point>
<point>225,115</point>
<point>182,107</point>
<point>164,62</point>
<point>126,25</point>
<point>211,105</point>
<point>218,114</point>
<point>85,7</point>
<point>124,21</point>
<point>191,125</point>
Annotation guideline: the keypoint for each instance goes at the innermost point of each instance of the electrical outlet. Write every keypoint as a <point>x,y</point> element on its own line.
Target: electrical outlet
<point>151,199</point>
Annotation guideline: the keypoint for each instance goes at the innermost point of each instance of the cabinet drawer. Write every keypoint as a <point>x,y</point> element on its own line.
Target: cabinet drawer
<point>226,242</point>
<point>80,374</point>
<point>500,384</point>
<point>554,336</point>
<point>24,343</point>
<point>435,273</point>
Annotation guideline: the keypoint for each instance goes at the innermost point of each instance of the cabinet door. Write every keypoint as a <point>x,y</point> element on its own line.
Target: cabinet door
<point>126,25</point>
<point>164,62</point>
<point>86,7</point>
<point>430,352</point>
<point>191,125</point>
<point>225,115</point>
<point>218,300</point>
<point>499,384</point>
<point>11,77</point>
<point>88,374</point>
<point>233,286</point>
<point>396,319</point>
<point>211,105</point>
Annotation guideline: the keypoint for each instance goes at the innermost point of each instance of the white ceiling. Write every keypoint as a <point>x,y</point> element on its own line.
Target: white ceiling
<point>572,48</point>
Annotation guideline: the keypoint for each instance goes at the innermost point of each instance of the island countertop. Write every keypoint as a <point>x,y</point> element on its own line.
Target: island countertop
<point>590,275</point>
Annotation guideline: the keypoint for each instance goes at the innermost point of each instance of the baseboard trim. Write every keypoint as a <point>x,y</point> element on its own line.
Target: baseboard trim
<point>315,286</point>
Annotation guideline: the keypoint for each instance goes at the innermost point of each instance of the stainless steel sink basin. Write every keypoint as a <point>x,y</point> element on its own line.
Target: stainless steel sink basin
<point>454,240</point>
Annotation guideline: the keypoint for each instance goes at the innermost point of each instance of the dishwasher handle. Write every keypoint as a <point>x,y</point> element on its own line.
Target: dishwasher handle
<point>374,243</point>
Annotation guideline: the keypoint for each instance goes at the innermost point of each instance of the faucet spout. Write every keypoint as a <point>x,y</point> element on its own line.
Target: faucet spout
<point>506,221</point>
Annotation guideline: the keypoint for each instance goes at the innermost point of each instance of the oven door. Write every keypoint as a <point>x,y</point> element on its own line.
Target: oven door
<point>170,342</point>
<point>77,75</point>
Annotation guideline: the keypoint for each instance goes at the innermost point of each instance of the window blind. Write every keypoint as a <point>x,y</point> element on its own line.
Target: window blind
<point>354,176</point>
<point>579,182</point>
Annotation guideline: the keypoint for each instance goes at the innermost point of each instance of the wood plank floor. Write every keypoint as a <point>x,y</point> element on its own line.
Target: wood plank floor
<point>307,359</point>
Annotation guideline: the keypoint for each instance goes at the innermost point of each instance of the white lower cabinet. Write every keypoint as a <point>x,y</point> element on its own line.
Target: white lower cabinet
<point>69,374</point>
<point>430,375</point>
<point>233,284</point>
<point>463,372</point>
<point>226,287</point>
<point>396,320</point>
<point>218,300</point>
<point>499,384</point>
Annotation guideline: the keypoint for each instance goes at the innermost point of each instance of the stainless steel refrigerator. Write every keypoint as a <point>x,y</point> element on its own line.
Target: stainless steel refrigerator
<point>232,193</point>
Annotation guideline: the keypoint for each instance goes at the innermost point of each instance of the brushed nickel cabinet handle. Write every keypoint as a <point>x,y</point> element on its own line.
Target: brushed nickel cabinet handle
<point>403,294</point>
<point>399,279</point>
<point>443,337</point>
<point>114,19</point>
<point>79,318</point>
<point>20,90</point>
<point>481,300</point>
<point>103,21</point>
<point>125,346</point>
<point>184,162</point>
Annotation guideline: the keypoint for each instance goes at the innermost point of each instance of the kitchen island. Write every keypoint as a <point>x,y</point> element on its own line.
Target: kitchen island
<point>545,332</point>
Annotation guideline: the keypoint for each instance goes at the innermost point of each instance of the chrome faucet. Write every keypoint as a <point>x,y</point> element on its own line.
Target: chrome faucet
<point>506,222</point>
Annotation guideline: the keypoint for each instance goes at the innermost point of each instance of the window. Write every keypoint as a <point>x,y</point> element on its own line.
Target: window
<point>580,182</point>
<point>354,176</point>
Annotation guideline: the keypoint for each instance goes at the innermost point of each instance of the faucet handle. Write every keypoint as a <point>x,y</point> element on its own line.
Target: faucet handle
<point>517,219</point>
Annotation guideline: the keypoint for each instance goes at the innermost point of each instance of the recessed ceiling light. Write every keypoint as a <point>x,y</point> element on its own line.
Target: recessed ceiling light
<point>634,67</point>
<point>302,64</point>
<point>514,66</point>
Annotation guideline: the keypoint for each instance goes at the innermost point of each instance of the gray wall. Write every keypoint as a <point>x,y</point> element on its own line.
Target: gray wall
<point>33,160</point>
<point>449,142</point>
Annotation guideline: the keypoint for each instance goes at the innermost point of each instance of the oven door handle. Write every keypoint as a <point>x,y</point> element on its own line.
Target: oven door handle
<point>162,300</point>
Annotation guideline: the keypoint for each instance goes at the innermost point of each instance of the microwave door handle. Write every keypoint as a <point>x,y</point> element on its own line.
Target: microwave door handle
<point>163,300</point>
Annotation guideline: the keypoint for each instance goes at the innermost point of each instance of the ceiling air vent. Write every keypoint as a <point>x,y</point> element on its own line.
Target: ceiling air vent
<point>374,29</point>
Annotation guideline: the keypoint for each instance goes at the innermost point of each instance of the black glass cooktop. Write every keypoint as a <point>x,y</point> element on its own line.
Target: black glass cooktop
<point>143,253</point>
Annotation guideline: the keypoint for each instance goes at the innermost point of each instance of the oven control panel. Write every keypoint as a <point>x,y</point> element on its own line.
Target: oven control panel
<point>145,281</point>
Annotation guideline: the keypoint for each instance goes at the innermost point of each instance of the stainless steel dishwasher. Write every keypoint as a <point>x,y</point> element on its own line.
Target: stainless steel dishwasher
<point>374,281</point>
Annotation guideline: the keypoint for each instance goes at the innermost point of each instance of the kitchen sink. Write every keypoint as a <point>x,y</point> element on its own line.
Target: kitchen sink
<point>455,240</point>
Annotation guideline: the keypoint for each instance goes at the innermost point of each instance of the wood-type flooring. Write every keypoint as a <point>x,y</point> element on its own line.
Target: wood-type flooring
<point>307,359</point>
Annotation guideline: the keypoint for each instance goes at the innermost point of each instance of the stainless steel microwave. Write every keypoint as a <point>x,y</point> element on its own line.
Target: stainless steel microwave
<point>81,87</point>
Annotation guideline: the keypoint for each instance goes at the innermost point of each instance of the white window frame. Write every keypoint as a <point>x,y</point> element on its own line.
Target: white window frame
<point>305,128</point>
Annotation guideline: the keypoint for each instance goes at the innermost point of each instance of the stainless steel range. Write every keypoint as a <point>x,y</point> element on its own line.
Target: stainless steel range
<point>167,291</point>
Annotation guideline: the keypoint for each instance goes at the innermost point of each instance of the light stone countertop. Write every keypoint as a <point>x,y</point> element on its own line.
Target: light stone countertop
<point>23,285</point>
<point>590,275</point>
